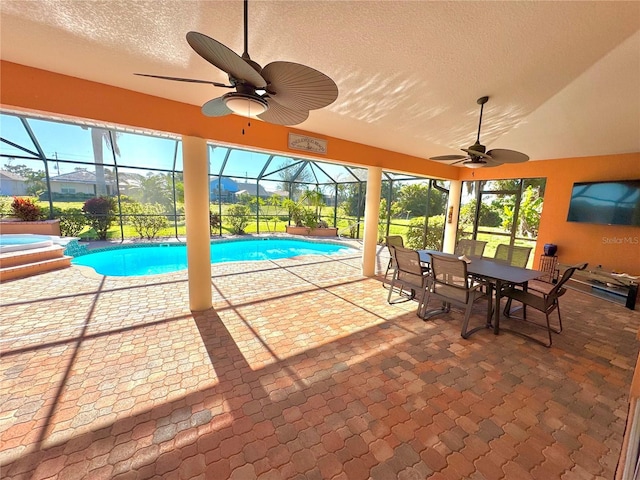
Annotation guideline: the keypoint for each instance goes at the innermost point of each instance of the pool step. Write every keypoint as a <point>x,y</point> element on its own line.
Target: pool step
<point>25,263</point>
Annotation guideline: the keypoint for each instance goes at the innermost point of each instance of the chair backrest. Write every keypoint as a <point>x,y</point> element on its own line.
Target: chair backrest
<point>449,278</point>
<point>391,242</point>
<point>549,265</point>
<point>470,248</point>
<point>408,266</point>
<point>513,255</point>
<point>558,289</point>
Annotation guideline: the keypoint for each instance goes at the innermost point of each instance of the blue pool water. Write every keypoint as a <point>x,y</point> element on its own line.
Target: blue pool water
<point>20,239</point>
<point>151,260</point>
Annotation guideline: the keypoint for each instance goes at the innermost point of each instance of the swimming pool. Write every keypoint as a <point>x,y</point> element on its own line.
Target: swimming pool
<point>141,260</point>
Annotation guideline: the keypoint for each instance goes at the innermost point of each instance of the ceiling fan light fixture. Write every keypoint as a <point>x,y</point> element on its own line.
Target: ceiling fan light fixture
<point>476,164</point>
<point>244,104</point>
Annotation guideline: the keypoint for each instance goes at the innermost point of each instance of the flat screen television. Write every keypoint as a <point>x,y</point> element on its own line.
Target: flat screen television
<point>606,203</point>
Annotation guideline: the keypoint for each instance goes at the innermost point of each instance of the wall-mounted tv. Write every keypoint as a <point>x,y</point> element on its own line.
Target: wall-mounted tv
<point>606,203</point>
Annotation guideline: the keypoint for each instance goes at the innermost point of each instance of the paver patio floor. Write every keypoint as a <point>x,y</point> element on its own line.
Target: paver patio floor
<point>303,371</point>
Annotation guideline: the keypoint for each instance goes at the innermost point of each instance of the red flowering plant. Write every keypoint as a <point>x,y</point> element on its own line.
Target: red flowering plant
<point>25,209</point>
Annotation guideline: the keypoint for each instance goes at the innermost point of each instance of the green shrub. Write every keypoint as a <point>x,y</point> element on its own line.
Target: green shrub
<point>5,206</point>
<point>25,209</point>
<point>238,218</point>
<point>309,218</point>
<point>489,215</point>
<point>214,221</point>
<point>382,220</point>
<point>72,221</point>
<point>100,214</point>
<point>146,219</point>
<point>433,240</point>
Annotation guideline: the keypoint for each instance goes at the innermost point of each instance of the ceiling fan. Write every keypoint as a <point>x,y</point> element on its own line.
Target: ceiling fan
<point>477,156</point>
<point>281,93</point>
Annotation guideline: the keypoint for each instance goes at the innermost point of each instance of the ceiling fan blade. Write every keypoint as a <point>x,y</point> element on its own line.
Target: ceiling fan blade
<point>449,157</point>
<point>462,160</point>
<point>216,108</point>
<point>225,59</point>
<point>299,87</point>
<point>179,79</point>
<point>475,153</point>
<point>281,115</point>
<point>502,155</point>
<point>489,162</point>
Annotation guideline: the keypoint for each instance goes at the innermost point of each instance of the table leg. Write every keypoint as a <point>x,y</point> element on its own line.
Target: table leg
<point>496,322</point>
<point>489,304</point>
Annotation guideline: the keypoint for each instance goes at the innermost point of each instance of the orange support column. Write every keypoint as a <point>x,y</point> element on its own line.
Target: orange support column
<point>451,220</point>
<point>196,211</point>
<point>371,212</point>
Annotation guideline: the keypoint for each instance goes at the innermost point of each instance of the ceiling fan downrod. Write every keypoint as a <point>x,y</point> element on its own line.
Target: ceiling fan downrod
<point>246,29</point>
<point>481,101</point>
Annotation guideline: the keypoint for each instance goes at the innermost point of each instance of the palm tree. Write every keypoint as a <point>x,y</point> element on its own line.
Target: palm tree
<point>314,198</point>
<point>98,136</point>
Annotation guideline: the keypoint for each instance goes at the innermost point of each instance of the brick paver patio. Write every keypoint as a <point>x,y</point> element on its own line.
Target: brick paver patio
<point>303,371</point>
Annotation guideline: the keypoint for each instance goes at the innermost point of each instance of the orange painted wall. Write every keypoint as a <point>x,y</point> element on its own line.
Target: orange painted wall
<point>43,91</point>
<point>30,89</point>
<point>616,248</point>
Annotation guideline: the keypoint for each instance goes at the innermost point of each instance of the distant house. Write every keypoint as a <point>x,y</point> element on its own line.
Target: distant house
<point>80,182</point>
<point>281,193</point>
<point>226,189</point>
<point>12,184</point>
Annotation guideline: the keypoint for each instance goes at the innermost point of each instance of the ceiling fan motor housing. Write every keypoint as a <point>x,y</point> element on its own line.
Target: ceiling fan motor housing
<point>477,147</point>
<point>255,65</point>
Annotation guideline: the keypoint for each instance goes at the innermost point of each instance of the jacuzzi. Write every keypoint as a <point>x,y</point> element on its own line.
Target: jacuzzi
<point>27,241</point>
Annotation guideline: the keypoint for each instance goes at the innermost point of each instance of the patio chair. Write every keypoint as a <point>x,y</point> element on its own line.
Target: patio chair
<point>392,241</point>
<point>409,274</point>
<point>470,248</point>
<point>541,301</point>
<point>513,255</point>
<point>450,283</point>
<point>549,277</point>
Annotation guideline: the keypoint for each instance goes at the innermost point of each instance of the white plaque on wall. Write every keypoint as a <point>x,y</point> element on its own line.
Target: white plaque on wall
<point>307,144</point>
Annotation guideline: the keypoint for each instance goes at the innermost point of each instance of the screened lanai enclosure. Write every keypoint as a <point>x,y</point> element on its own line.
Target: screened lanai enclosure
<point>106,182</point>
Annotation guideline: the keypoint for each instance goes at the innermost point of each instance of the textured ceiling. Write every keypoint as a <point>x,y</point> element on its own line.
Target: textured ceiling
<point>563,77</point>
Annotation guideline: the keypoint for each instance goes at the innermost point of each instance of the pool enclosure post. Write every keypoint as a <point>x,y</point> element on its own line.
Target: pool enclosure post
<point>371,212</point>
<point>196,212</point>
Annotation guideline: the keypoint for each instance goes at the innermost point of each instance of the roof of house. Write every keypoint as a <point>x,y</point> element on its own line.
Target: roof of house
<point>280,193</point>
<point>232,186</point>
<point>250,188</point>
<point>78,176</point>
<point>11,176</point>
<point>226,184</point>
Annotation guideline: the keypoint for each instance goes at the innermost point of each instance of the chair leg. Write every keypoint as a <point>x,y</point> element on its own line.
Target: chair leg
<point>391,288</point>
<point>559,329</point>
<point>422,304</point>
<point>548,330</point>
<point>427,314</point>
<point>507,308</point>
<point>400,292</point>
<point>465,323</point>
<point>386,274</point>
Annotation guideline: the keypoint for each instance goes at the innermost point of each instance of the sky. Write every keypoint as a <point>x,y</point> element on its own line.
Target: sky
<point>67,142</point>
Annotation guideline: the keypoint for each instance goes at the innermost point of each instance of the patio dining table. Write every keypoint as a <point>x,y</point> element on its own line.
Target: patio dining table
<point>496,275</point>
